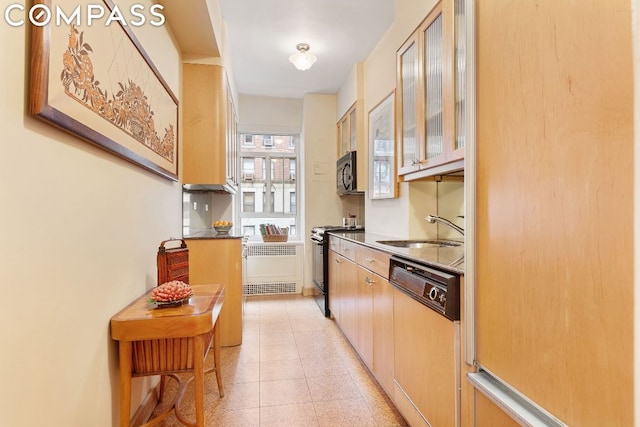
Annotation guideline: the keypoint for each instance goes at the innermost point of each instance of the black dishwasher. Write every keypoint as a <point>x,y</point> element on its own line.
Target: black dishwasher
<point>434,288</point>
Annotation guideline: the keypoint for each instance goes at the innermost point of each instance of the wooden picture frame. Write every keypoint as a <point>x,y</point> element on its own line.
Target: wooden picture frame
<point>97,82</point>
<point>383,183</point>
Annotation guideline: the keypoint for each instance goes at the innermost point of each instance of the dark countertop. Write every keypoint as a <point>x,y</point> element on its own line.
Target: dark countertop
<point>446,258</point>
<point>210,233</point>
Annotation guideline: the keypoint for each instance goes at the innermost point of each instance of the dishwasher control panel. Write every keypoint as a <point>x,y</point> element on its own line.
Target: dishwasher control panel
<point>433,288</point>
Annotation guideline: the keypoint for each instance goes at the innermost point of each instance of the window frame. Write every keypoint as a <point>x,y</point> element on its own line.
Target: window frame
<point>267,156</point>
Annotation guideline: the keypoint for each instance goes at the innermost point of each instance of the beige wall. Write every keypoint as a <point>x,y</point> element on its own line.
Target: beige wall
<point>416,199</point>
<point>321,203</point>
<point>269,114</point>
<point>351,90</point>
<point>80,229</point>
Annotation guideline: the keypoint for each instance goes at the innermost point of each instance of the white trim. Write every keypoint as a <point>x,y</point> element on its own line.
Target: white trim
<point>526,412</point>
<point>470,190</point>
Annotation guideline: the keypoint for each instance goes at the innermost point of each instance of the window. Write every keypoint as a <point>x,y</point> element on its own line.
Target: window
<point>248,169</point>
<point>247,140</point>
<point>271,195</point>
<point>292,171</point>
<point>248,202</point>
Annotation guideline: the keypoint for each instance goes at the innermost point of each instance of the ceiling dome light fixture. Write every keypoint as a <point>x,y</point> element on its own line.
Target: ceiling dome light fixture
<point>303,60</point>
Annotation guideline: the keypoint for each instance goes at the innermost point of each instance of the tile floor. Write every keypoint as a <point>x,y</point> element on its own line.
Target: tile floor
<point>294,368</point>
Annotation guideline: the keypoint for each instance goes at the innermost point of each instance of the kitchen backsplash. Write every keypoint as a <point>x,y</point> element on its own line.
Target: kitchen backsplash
<point>450,206</point>
<point>200,210</point>
<point>444,199</point>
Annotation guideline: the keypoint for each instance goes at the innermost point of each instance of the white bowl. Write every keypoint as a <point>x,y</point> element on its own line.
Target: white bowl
<point>222,229</point>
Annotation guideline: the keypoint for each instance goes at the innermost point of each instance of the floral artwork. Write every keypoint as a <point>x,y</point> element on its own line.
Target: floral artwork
<point>97,83</point>
<point>128,108</point>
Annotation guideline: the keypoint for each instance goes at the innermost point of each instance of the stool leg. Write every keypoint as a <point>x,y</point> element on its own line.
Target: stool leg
<point>163,381</point>
<point>198,378</point>
<point>216,356</point>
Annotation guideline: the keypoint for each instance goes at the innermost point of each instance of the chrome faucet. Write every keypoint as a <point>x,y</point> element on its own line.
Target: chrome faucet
<point>432,219</point>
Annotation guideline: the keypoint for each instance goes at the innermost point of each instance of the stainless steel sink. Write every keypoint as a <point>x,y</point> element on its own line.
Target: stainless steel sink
<point>420,243</point>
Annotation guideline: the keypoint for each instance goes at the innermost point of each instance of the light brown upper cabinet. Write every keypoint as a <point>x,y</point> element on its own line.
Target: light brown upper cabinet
<point>209,127</point>
<point>426,104</point>
<point>350,129</point>
<point>351,138</point>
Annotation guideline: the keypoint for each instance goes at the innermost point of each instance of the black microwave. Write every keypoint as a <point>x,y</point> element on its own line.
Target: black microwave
<point>347,174</point>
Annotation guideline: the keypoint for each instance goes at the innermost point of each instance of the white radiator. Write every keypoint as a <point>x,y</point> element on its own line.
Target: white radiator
<point>274,268</point>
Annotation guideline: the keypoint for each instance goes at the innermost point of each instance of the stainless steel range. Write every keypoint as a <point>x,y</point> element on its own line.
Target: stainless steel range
<point>320,262</point>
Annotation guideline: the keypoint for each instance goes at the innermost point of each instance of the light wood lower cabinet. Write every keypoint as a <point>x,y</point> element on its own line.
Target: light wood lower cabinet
<point>343,293</point>
<point>335,289</point>
<point>411,350</point>
<point>348,305</point>
<point>362,305</point>
<point>220,261</point>
<point>374,319</point>
<point>424,363</point>
<point>383,333</point>
<point>364,316</point>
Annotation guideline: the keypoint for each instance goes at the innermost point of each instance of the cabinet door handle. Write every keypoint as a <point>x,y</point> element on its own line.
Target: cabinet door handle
<point>369,281</point>
<point>370,260</point>
<point>337,261</point>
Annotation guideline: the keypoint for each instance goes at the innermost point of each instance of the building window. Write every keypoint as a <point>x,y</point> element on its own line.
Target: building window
<point>247,140</point>
<point>271,196</point>
<point>292,170</point>
<point>248,169</point>
<point>248,202</point>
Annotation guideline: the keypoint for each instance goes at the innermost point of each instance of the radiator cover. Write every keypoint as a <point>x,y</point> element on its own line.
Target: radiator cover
<point>274,268</point>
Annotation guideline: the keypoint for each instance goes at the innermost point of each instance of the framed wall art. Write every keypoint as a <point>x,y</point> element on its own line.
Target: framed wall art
<point>97,82</point>
<point>382,172</point>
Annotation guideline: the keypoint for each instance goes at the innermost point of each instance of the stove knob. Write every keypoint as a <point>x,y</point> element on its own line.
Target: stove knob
<point>443,298</point>
<point>433,293</point>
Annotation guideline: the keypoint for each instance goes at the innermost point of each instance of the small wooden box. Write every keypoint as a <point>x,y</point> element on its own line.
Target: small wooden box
<point>173,263</point>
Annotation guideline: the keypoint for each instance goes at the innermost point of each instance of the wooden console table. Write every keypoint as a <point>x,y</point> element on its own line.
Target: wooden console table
<point>167,341</point>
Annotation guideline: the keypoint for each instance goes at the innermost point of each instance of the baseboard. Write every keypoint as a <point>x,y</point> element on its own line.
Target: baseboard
<point>146,408</point>
<point>308,291</point>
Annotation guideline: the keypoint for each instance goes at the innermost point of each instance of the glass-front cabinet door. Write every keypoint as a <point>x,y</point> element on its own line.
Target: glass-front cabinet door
<point>345,133</point>
<point>433,89</point>
<point>427,76</point>
<point>349,129</point>
<point>353,134</point>
<point>408,87</point>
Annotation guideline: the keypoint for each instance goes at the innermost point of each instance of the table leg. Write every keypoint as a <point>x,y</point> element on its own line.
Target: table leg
<point>216,355</point>
<point>125,382</point>
<point>198,378</point>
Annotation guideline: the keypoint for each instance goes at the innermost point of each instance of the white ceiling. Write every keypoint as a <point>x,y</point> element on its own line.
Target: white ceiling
<point>263,33</point>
